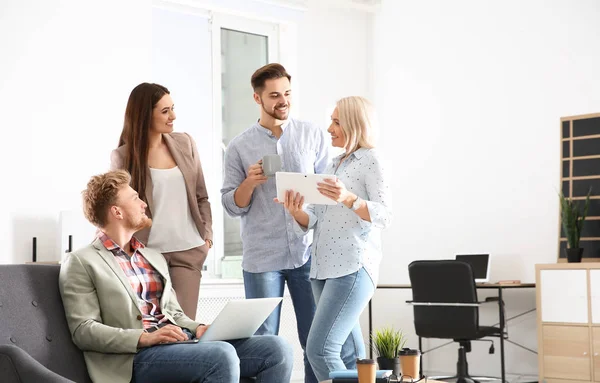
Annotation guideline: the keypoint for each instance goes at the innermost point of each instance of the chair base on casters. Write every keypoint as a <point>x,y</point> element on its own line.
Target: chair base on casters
<point>462,368</point>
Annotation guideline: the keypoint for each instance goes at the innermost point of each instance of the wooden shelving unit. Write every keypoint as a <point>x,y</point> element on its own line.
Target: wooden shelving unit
<point>580,171</point>
<point>568,322</point>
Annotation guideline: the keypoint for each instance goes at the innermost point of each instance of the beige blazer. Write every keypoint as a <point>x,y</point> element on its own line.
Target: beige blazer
<point>185,153</point>
<point>102,311</point>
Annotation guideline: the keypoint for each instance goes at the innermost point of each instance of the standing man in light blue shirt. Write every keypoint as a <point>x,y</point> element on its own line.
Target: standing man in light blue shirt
<point>273,253</point>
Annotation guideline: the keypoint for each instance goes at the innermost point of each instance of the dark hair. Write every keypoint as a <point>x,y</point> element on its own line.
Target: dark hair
<point>268,72</point>
<point>101,193</point>
<point>138,120</point>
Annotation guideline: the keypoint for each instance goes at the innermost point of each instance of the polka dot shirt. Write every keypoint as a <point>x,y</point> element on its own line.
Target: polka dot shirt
<point>342,241</point>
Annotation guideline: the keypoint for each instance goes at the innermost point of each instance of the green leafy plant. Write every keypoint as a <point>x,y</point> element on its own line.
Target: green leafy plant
<point>572,218</point>
<point>388,342</point>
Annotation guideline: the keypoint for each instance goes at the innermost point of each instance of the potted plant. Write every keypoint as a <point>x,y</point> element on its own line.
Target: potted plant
<point>387,343</point>
<point>572,218</point>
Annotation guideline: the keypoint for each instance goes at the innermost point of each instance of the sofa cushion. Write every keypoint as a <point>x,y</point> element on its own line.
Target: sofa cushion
<point>32,317</point>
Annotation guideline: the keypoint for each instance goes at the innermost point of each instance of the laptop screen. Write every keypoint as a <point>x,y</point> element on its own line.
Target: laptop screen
<point>479,263</point>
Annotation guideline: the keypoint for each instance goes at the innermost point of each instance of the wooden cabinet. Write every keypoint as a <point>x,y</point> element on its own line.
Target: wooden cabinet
<point>564,381</point>
<point>595,295</point>
<point>596,351</point>
<point>561,304</point>
<point>566,352</point>
<point>568,304</point>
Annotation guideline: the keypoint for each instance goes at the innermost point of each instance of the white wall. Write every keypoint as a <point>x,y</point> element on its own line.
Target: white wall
<point>333,58</point>
<point>471,93</point>
<point>66,71</point>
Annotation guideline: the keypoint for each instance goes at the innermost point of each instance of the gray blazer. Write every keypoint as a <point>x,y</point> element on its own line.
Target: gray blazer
<point>102,311</point>
<point>184,152</point>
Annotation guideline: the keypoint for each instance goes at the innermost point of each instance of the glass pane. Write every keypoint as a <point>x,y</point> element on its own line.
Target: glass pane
<point>241,54</point>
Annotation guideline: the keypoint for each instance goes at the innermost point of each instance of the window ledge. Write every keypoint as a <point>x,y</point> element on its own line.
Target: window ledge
<point>221,281</point>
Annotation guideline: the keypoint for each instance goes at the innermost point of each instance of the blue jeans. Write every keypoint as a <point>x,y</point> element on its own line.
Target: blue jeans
<point>335,339</point>
<point>268,358</point>
<point>271,284</point>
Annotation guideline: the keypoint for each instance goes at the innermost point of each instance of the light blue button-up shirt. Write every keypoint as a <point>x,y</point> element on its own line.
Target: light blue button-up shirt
<point>343,242</point>
<point>269,240</point>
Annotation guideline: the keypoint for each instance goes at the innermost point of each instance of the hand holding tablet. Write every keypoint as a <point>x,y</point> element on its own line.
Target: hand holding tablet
<point>305,184</point>
<point>336,191</point>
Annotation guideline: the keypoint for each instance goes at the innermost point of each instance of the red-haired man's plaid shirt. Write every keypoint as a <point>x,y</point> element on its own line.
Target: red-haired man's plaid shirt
<point>146,282</point>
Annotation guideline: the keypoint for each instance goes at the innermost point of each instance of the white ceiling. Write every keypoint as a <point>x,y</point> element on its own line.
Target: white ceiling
<point>365,5</point>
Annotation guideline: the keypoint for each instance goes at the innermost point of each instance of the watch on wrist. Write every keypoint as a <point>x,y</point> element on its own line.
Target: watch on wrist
<point>356,204</point>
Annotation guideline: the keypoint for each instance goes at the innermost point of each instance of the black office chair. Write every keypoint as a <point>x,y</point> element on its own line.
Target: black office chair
<point>446,307</point>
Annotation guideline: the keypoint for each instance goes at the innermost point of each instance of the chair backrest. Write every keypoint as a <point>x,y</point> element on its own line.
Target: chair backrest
<point>444,281</point>
<point>32,317</point>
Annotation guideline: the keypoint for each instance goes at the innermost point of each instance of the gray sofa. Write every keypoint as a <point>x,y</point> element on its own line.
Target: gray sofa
<point>35,343</point>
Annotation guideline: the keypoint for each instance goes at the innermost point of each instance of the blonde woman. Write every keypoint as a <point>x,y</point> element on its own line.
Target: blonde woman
<point>346,248</point>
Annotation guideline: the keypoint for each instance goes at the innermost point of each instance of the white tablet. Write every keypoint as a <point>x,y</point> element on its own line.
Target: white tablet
<point>305,184</point>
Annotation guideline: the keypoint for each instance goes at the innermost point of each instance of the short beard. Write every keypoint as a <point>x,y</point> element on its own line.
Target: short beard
<point>273,114</point>
<point>143,223</point>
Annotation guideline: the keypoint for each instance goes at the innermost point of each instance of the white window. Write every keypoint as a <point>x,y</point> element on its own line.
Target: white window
<point>206,60</point>
<point>240,46</point>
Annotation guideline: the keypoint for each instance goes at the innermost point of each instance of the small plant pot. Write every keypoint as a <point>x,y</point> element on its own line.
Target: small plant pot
<point>574,255</point>
<point>389,364</point>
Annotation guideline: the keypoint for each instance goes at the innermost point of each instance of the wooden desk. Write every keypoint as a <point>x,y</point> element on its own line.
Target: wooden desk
<point>498,286</point>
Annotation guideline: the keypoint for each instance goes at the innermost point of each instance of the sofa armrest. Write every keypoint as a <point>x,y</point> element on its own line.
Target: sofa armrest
<point>17,366</point>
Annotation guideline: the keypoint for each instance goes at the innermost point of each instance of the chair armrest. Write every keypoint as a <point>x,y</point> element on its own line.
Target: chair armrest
<point>17,366</point>
<point>457,304</point>
<point>502,315</point>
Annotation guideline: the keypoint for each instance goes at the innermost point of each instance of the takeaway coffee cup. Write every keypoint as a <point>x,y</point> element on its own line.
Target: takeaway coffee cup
<point>271,164</point>
<point>366,370</point>
<point>409,363</point>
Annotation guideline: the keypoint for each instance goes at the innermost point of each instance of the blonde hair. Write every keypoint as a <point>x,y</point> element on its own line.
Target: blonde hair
<point>101,193</point>
<point>357,119</point>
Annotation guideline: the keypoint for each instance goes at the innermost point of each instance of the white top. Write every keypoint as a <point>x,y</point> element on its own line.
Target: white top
<point>343,242</point>
<point>173,228</point>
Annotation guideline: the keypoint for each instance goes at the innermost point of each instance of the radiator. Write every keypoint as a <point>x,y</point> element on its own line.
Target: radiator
<point>214,296</point>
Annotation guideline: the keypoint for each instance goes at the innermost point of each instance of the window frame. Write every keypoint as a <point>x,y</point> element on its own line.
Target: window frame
<point>220,21</point>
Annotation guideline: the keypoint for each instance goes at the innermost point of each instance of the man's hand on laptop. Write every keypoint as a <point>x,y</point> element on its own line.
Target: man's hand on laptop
<point>201,330</point>
<point>166,334</point>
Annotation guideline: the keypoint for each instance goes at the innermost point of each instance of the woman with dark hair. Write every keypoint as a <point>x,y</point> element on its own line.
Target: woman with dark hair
<point>165,170</point>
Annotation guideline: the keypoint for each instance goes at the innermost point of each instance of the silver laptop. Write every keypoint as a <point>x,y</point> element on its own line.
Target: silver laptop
<point>480,263</point>
<point>240,319</point>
